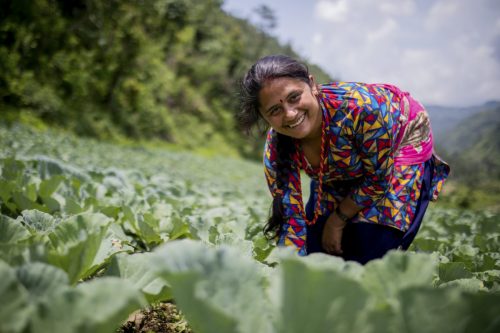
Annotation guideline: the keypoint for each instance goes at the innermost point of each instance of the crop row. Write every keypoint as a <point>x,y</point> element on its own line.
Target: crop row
<point>90,232</point>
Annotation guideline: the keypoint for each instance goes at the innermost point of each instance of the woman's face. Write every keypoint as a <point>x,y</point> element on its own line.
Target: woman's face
<point>290,107</point>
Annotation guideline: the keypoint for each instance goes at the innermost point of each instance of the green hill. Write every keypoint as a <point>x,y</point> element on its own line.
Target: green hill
<point>475,146</point>
<point>448,123</point>
<point>472,148</point>
<point>155,70</point>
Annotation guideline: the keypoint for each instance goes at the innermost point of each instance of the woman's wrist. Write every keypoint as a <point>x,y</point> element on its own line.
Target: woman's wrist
<point>341,215</point>
<point>347,209</point>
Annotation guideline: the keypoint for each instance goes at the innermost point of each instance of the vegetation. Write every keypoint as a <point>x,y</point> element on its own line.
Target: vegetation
<point>91,232</point>
<point>472,147</point>
<point>162,69</point>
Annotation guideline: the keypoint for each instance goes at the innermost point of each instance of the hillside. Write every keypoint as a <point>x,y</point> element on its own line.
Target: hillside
<point>446,119</point>
<point>156,70</point>
<point>472,148</point>
<point>478,133</point>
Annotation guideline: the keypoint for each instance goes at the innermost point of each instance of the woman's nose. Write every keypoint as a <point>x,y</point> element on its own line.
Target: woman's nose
<point>290,112</point>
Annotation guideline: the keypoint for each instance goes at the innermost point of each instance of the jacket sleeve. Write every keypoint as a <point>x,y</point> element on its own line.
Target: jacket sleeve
<point>293,232</point>
<point>372,127</point>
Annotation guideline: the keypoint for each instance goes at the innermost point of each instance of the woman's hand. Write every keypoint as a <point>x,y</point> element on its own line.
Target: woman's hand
<point>332,235</point>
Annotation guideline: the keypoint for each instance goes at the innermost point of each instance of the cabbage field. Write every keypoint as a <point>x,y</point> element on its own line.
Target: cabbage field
<point>91,232</point>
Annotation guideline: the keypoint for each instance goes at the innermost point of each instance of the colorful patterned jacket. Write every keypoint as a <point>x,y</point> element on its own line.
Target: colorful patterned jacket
<point>377,138</point>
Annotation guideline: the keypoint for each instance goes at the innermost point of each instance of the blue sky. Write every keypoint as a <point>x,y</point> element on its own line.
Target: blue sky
<point>444,52</point>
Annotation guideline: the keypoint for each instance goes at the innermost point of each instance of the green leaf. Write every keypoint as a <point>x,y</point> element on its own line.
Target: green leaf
<point>23,202</point>
<point>41,279</point>
<point>214,287</point>
<point>30,192</point>
<point>145,228</point>
<point>201,314</point>
<point>48,167</point>
<point>72,207</point>
<point>49,186</point>
<point>319,298</point>
<point>180,228</point>
<point>135,268</point>
<point>111,211</point>
<point>452,271</point>
<point>15,310</point>
<point>12,169</point>
<point>97,306</point>
<point>106,303</point>
<point>75,243</point>
<point>488,242</point>
<point>432,310</point>
<point>470,285</point>
<point>14,240</point>
<point>426,245</point>
<point>12,231</point>
<point>398,270</point>
<point>488,262</point>
<point>483,312</point>
<point>489,278</point>
<point>38,222</point>
<point>261,247</point>
<point>489,225</point>
<point>6,188</point>
<point>466,254</point>
<point>52,204</point>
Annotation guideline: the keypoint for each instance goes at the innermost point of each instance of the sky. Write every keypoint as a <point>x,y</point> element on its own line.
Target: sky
<point>444,52</point>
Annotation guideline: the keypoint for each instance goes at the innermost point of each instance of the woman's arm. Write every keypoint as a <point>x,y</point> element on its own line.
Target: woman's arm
<point>372,127</point>
<point>293,232</point>
<point>374,143</point>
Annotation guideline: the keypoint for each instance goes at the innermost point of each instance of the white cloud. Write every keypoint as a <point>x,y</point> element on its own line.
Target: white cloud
<point>384,31</point>
<point>397,7</point>
<point>443,52</point>
<point>318,38</point>
<point>441,14</point>
<point>334,11</point>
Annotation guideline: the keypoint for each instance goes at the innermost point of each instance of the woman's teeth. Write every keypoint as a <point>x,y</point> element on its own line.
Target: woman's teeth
<point>298,122</point>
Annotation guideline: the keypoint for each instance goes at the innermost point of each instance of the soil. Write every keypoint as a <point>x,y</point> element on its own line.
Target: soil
<point>159,318</point>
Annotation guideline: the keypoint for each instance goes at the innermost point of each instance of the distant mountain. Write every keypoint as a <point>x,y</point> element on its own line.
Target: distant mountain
<point>444,120</point>
<point>479,132</point>
<point>471,145</point>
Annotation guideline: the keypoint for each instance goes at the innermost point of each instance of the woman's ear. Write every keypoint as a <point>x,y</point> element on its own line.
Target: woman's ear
<point>313,85</point>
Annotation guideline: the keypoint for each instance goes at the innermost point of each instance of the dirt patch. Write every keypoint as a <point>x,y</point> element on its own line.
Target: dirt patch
<point>159,318</point>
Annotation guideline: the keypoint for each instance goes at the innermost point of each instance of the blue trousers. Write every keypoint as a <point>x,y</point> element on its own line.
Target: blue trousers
<point>363,242</point>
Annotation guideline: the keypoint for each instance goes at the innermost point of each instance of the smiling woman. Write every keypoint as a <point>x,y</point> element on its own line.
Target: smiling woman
<point>368,149</point>
<point>290,106</point>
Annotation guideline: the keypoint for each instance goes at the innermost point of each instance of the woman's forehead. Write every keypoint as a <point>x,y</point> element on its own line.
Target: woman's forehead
<point>283,82</point>
<point>280,86</point>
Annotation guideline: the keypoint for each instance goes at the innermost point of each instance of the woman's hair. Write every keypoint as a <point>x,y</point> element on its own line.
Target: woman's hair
<point>265,69</point>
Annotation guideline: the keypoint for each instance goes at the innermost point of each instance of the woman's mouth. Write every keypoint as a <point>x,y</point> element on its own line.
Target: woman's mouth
<point>298,122</point>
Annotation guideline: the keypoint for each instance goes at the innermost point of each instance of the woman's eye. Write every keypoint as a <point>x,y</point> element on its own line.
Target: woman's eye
<point>275,111</point>
<point>294,98</point>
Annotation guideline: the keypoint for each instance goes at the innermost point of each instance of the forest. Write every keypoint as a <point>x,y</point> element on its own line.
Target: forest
<point>164,71</point>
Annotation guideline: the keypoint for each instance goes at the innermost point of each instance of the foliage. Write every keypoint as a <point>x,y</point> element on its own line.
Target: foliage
<point>162,69</point>
<point>472,149</point>
<point>90,232</point>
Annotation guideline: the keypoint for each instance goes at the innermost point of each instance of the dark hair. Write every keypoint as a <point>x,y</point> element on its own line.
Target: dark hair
<point>267,68</point>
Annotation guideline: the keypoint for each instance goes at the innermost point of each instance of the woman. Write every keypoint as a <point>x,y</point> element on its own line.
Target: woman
<point>367,147</point>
